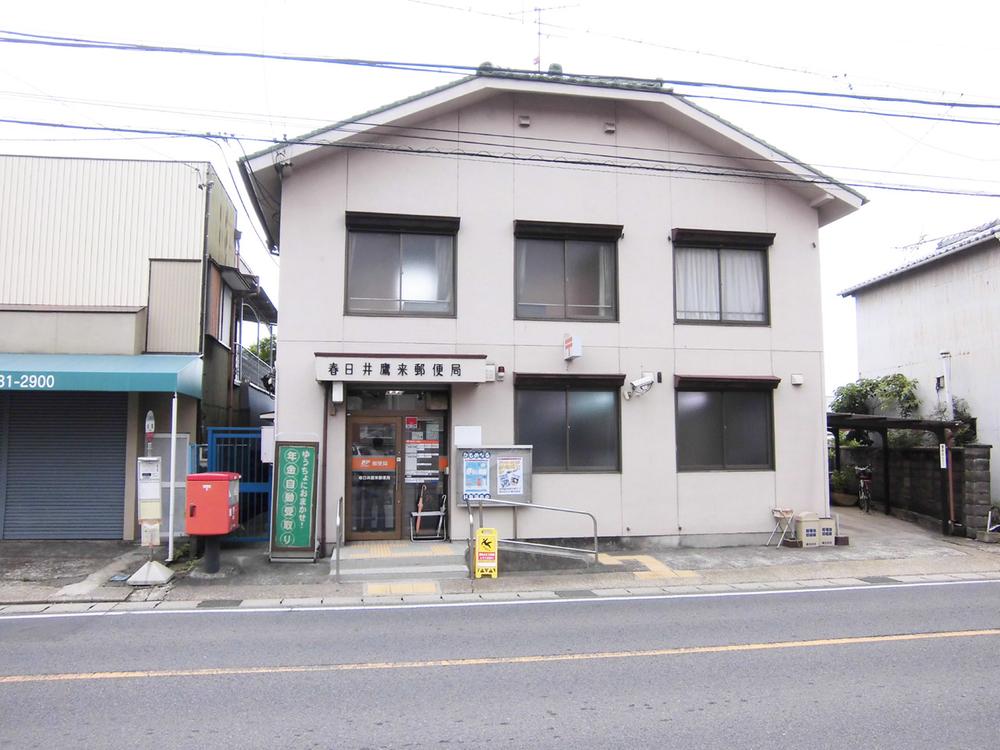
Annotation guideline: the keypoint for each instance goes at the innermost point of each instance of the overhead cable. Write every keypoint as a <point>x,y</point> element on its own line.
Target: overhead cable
<point>694,171</point>
<point>17,37</point>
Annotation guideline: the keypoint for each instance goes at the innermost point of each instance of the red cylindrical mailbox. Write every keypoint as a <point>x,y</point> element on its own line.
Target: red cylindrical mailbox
<point>213,503</point>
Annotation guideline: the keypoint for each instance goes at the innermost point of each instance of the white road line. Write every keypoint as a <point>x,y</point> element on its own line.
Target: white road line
<point>490,603</point>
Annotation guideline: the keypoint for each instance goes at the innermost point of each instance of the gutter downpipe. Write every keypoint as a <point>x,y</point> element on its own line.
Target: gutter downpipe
<point>327,395</point>
<point>949,407</point>
<point>949,441</point>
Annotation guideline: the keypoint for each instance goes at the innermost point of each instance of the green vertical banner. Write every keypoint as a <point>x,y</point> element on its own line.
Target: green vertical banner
<point>293,501</point>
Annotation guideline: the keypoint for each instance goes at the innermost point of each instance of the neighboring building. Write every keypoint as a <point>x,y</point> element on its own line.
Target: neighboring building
<point>433,244</point>
<point>944,302</point>
<point>120,285</point>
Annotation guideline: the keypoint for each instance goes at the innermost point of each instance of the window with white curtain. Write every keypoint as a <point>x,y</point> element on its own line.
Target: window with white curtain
<point>721,277</point>
<point>391,271</point>
<point>566,271</point>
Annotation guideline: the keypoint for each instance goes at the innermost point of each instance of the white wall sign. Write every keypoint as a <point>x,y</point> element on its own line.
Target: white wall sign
<point>399,368</point>
<point>468,436</point>
<point>267,444</point>
<point>572,346</point>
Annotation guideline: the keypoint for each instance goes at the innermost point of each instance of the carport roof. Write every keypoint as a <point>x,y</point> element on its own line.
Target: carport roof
<point>143,373</point>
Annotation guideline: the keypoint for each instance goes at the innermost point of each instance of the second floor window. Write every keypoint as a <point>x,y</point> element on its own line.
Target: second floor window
<point>566,271</point>
<point>721,277</point>
<point>409,271</point>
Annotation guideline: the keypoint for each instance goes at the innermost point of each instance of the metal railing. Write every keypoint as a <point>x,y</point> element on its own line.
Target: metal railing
<point>340,535</point>
<point>249,367</point>
<point>472,542</point>
<point>514,540</point>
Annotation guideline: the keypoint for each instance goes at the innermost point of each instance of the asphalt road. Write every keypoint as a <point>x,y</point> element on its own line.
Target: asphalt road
<point>906,667</point>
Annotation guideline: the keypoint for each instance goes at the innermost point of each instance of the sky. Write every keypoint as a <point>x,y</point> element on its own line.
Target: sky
<point>915,50</point>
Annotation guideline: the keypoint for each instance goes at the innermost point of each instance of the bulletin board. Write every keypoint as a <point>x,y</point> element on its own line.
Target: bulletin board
<point>493,472</point>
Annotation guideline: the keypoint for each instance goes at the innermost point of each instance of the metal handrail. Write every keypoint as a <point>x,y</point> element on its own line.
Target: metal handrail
<point>340,534</point>
<point>515,505</point>
<point>472,535</point>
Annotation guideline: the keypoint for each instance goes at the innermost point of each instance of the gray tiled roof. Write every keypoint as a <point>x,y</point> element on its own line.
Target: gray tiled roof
<point>946,247</point>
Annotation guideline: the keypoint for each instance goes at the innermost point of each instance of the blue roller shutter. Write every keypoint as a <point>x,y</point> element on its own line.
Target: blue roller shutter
<point>62,465</point>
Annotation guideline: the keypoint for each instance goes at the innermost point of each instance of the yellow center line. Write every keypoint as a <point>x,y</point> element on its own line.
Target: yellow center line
<point>489,660</point>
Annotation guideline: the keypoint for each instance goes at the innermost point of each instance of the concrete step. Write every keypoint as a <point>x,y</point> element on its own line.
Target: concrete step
<point>401,561</point>
<point>426,573</point>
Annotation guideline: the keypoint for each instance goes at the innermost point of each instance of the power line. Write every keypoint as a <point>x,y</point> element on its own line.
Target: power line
<point>95,139</point>
<point>76,42</point>
<point>707,171</point>
<point>450,133</point>
<point>250,117</point>
<point>449,137</point>
<point>878,113</point>
<point>696,171</point>
<point>258,117</point>
<point>239,193</point>
<point>630,40</point>
<point>684,50</point>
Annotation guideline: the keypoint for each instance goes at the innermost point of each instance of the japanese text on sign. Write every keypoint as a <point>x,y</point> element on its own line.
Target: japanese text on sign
<point>294,494</point>
<point>400,368</point>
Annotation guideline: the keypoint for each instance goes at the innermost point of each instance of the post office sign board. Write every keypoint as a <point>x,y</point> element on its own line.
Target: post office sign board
<point>494,472</point>
<point>293,501</point>
<point>401,368</point>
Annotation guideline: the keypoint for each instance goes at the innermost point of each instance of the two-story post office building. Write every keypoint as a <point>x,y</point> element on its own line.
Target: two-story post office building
<point>597,268</point>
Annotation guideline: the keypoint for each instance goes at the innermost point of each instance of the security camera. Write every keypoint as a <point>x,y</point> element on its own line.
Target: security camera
<point>643,383</point>
<point>640,385</point>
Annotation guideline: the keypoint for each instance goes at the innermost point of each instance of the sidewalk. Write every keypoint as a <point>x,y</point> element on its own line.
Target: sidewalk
<point>88,576</point>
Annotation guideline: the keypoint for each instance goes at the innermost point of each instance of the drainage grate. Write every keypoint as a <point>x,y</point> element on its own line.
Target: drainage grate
<point>219,603</point>
<point>575,594</point>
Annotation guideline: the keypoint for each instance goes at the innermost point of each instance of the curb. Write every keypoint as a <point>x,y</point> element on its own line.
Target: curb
<point>291,604</point>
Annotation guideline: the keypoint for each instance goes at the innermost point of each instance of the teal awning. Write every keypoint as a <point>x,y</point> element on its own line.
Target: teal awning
<point>140,373</point>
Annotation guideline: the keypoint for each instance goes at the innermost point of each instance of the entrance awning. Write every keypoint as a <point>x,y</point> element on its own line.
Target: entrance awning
<point>141,373</point>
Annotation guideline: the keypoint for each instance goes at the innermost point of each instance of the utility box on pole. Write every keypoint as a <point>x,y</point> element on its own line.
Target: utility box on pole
<point>149,512</point>
<point>149,497</point>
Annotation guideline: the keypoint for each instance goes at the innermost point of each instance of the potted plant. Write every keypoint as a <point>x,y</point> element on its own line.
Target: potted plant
<point>839,486</point>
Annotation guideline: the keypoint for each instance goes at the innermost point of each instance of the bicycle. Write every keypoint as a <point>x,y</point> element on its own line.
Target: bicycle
<point>864,487</point>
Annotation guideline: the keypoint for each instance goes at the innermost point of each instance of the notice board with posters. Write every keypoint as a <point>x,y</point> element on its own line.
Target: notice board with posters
<point>293,501</point>
<point>493,472</point>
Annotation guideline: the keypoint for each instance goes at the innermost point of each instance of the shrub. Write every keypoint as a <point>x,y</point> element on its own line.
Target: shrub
<point>839,480</point>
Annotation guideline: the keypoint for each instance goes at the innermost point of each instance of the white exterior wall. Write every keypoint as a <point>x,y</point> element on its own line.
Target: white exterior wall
<point>648,497</point>
<point>80,232</point>
<point>953,306</point>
